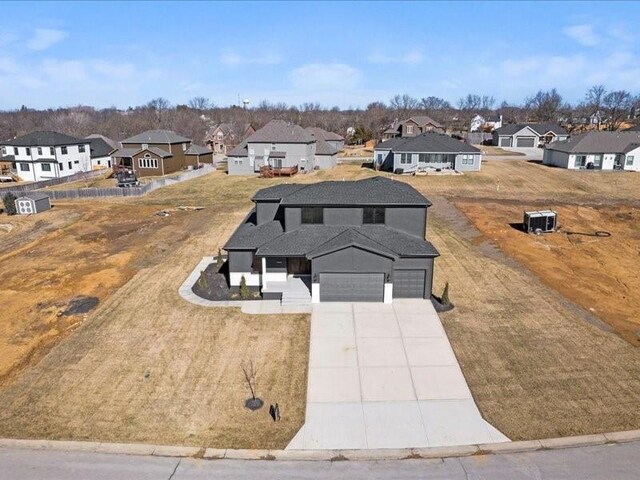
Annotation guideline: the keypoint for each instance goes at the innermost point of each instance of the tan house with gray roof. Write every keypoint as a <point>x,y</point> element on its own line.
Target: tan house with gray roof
<point>159,152</point>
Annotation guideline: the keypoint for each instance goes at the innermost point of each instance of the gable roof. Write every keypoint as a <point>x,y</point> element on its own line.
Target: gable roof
<point>279,131</point>
<point>423,120</point>
<point>107,140</point>
<point>324,134</point>
<point>100,147</point>
<point>157,136</point>
<point>130,152</point>
<point>429,142</point>
<point>351,237</point>
<point>250,235</point>
<point>323,148</point>
<point>44,139</point>
<point>197,150</point>
<point>276,192</point>
<point>598,142</point>
<point>239,150</point>
<point>539,128</point>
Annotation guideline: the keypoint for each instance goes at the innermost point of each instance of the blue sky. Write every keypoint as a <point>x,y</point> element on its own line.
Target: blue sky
<point>335,53</point>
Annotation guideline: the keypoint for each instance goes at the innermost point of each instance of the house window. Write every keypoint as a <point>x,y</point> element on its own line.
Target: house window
<point>273,147</point>
<point>581,160</point>
<point>39,150</point>
<point>81,148</point>
<point>147,162</point>
<point>76,162</point>
<point>629,160</point>
<point>184,147</point>
<point>144,146</point>
<point>70,165</point>
<point>4,150</point>
<point>373,215</point>
<point>380,157</point>
<point>28,150</point>
<point>24,167</point>
<point>61,166</point>
<point>63,150</point>
<point>277,162</point>
<point>597,160</point>
<point>219,135</point>
<point>312,215</point>
<point>52,151</point>
<point>467,159</point>
<point>237,161</point>
<point>16,151</point>
<point>423,158</point>
<point>256,265</point>
<point>46,167</point>
<point>405,158</point>
<point>409,129</point>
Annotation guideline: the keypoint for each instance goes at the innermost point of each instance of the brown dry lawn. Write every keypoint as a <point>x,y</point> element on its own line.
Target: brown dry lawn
<point>148,367</point>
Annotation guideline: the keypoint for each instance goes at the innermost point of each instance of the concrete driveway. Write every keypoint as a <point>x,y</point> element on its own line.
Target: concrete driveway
<point>385,376</point>
<point>530,153</point>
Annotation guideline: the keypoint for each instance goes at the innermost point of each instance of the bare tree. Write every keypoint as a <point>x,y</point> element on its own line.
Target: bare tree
<point>593,101</point>
<point>159,105</point>
<point>403,103</point>
<point>434,103</point>
<point>545,105</point>
<point>200,103</point>
<point>250,372</point>
<point>617,105</point>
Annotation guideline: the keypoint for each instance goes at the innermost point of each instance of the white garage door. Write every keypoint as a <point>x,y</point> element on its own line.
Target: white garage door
<point>351,287</point>
<point>505,142</point>
<point>525,142</point>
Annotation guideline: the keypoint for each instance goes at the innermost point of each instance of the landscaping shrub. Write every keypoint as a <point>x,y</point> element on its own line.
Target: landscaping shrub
<point>9,201</point>
<point>244,290</point>
<point>202,281</point>
<point>445,295</point>
<point>219,261</point>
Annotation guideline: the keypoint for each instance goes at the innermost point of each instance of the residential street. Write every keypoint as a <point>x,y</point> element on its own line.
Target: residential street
<point>606,462</point>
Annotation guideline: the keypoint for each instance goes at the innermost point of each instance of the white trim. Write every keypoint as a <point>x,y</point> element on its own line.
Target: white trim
<point>388,293</point>
<point>274,277</point>
<point>315,293</point>
<point>264,272</point>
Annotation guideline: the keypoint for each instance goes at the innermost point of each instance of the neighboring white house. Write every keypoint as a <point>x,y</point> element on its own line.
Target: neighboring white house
<point>480,123</point>
<point>597,151</point>
<point>45,155</point>
<point>528,135</point>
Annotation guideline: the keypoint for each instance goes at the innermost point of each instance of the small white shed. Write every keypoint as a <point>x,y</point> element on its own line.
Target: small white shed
<point>32,203</point>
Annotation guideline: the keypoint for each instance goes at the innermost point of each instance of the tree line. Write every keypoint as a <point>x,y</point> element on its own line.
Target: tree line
<point>194,118</point>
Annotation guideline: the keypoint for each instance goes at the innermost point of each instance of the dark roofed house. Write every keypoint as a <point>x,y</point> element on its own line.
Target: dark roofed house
<point>101,150</point>
<point>596,150</point>
<point>411,127</point>
<point>428,151</point>
<point>346,241</point>
<point>224,137</point>
<point>333,139</point>
<point>280,145</point>
<point>528,135</point>
<point>159,152</point>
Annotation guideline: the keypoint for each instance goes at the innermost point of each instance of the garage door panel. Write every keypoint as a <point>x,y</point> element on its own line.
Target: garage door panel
<point>408,283</point>
<point>351,287</point>
<point>505,142</point>
<point>528,142</point>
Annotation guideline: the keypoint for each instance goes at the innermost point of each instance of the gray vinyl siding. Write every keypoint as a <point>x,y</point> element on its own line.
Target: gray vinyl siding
<point>477,160</point>
<point>325,161</point>
<point>384,158</point>
<point>243,168</point>
<point>414,162</point>
<point>292,218</point>
<point>337,144</point>
<point>351,260</point>
<point>240,260</point>
<point>343,216</point>
<point>266,211</point>
<point>555,158</point>
<point>295,154</point>
<point>412,220</point>
<point>418,263</point>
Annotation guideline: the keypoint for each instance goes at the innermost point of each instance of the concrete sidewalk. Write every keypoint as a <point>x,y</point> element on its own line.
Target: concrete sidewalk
<point>385,376</point>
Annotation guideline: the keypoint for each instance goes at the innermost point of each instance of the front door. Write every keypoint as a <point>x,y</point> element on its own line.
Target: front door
<point>298,266</point>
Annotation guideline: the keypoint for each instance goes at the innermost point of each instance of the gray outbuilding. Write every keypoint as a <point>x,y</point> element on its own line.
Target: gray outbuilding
<point>32,203</point>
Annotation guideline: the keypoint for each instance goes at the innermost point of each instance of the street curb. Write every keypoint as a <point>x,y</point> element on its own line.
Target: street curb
<point>326,455</point>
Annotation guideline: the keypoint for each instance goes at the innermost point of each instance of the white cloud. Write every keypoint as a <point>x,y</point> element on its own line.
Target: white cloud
<point>44,38</point>
<point>583,34</point>
<point>413,57</point>
<point>235,59</point>
<point>322,76</point>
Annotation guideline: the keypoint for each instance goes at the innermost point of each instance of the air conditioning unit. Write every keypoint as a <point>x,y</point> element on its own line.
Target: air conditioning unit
<point>541,221</point>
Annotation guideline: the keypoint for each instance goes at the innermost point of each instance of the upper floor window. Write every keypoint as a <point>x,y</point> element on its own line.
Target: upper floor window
<point>409,128</point>
<point>52,151</point>
<point>405,158</point>
<point>312,215</point>
<point>184,147</point>
<point>39,150</point>
<point>63,150</point>
<point>273,147</point>
<point>81,148</point>
<point>28,151</point>
<point>219,135</point>
<point>145,146</point>
<point>373,215</point>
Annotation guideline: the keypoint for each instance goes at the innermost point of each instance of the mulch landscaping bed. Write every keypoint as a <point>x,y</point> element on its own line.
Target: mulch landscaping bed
<point>213,285</point>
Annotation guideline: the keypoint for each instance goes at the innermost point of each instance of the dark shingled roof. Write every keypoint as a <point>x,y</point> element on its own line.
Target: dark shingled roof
<point>239,151</point>
<point>370,191</point>
<point>429,142</point>
<point>351,237</point>
<point>197,150</point>
<point>250,236</point>
<point>35,196</point>
<point>539,128</point>
<point>100,147</point>
<point>423,120</point>
<point>156,136</point>
<point>44,139</point>
<point>279,131</point>
<point>598,142</point>
<point>323,148</point>
<point>277,192</point>
<point>324,134</point>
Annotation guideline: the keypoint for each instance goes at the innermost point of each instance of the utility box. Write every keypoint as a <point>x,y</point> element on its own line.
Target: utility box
<point>541,221</point>
<point>32,203</point>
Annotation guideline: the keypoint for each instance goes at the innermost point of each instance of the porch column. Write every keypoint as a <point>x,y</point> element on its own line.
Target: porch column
<point>264,272</point>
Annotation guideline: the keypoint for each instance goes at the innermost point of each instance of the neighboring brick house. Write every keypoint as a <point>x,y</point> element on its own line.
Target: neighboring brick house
<point>411,127</point>
<point>45,155</point>
<point>223,137</point>
<point>159,152</point>
<point>350,241</point>
<point>428,151</point>
<point>281,145</point>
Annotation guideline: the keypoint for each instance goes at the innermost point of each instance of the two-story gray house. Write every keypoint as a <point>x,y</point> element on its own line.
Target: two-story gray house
<point>428,151</point>
<point>358,241</point>
<point>280,144</point>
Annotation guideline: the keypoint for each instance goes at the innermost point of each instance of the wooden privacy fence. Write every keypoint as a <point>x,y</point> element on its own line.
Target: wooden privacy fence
<point>29,187</point>
<point>117,191</point>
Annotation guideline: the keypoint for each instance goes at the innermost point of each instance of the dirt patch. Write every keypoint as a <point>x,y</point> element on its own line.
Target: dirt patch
<point>81,305</point>
<point>598,272</point>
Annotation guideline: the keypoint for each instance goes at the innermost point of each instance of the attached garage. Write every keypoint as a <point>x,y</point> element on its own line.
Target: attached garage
<point>351,287</point>
<point>525,142</point>
<point>505,141</point>
<point>408,283</point>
